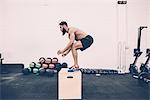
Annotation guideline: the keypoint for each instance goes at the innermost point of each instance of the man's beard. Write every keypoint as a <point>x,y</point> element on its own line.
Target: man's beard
<point>64,31</point>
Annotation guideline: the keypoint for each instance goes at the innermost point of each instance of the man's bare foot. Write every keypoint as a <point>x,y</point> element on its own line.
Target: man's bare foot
<point>74,66</point>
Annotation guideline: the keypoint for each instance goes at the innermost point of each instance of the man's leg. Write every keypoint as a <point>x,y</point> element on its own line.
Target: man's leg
<point>76,46</point>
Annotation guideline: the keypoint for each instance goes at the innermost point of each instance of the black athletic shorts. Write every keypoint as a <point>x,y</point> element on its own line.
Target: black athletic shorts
<point>86,42</point>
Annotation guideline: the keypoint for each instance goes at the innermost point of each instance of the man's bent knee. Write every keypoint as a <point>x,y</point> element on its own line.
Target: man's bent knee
<point>73,46</point>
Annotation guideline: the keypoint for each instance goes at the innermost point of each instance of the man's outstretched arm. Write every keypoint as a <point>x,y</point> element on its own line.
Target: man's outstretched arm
<point>67,51</point>
<point>72,38</point>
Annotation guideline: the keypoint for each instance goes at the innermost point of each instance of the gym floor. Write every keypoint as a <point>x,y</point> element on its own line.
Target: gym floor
<point>16,86</point>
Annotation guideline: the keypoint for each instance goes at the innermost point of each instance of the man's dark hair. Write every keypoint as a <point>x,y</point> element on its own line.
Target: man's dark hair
<point>63,23</point>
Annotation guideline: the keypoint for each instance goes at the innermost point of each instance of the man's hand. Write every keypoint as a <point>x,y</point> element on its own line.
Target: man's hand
<point>64,54</point>
<point>60,52</point>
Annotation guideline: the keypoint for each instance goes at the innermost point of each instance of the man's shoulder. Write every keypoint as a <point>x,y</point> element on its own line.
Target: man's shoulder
<point>72,29</point>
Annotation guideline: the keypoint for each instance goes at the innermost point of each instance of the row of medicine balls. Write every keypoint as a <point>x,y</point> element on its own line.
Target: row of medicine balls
<point>48,65</point>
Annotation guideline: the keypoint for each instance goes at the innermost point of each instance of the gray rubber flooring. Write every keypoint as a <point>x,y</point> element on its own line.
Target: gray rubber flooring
<point>16,86</point>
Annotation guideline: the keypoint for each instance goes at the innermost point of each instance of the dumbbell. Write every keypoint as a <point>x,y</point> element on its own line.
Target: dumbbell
<point>35,70</point>
<point>44,66</point>
<point>88,71</point>
<point>64,65</point>
<point>97,71</point>
<point>51,66</point>
<point>42,71</point>
<point>82,70</point>
<point>32,65</point>
<point>50,72</point>
<point>41,60</point>
<point>110,72</point>
<point>115,72</point>
<point>92,71</point>
<point>38,65</point>
<point>58,66</point>
<point>55,60</point>
<point>104,72</point>
<point>48,60</point>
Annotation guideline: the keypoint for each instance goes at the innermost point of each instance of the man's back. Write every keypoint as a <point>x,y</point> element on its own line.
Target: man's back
<point>79,34</point>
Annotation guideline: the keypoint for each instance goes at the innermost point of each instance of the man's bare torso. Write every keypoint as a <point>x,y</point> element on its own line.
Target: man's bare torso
<point>79,34</point>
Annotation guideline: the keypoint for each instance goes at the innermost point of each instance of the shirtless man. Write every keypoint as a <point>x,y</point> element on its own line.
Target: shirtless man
<point>83,41</point>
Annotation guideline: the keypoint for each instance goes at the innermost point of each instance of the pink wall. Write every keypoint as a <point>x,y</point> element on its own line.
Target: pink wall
<point>137,15</point>
<point>30,29</point>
